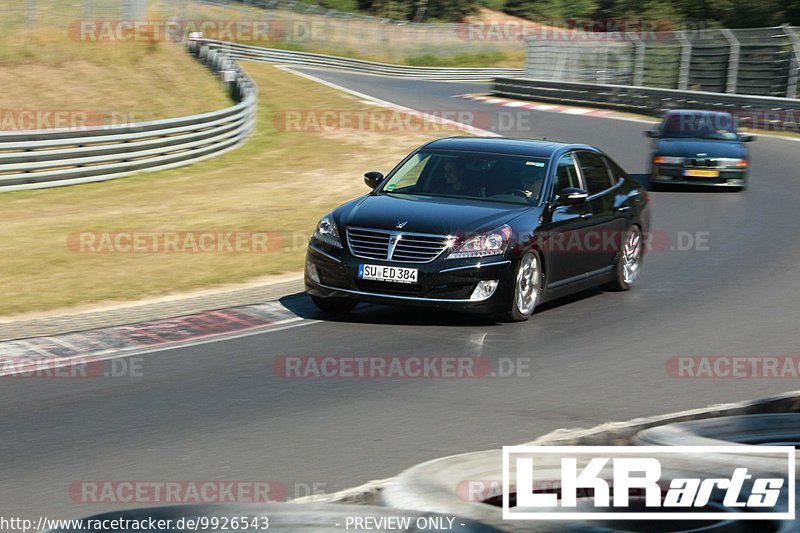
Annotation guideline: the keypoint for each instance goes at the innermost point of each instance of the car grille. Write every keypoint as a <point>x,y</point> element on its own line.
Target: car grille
<point>701,163</point>
<point>395,289</point>
<point>395,245</point>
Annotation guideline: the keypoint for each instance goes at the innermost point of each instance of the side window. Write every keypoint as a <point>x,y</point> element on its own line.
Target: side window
<point>595,172</point>
<point>617,174</point>
<point>566,174</point>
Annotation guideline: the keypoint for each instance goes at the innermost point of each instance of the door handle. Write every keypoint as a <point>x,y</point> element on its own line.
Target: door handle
<point>624,208</point>
<point>586,216</point>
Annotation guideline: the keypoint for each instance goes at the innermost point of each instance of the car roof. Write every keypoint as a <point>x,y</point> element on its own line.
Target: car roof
<point>503,145</point>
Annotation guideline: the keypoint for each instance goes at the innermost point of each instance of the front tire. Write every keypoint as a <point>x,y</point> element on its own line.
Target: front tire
<point>527,288</point>
<point>337,306</point>
<point>629,262</point>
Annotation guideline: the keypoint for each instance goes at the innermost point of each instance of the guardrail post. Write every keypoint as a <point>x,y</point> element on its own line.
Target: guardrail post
<point>529,51</point>
<point>134,9</point>
<point>31,13</point>
<point>686,60</point>
<point>638,58</point>
<point>733,61</point>
<point>603,78</point>
<point>794,64</point>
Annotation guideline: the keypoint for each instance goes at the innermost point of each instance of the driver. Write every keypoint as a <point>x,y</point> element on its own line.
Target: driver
<point>530,184</point>
<point>454,179</point>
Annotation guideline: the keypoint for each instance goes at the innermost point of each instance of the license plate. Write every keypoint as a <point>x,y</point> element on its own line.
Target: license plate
<point>701,173</point>
<point>387,273</point>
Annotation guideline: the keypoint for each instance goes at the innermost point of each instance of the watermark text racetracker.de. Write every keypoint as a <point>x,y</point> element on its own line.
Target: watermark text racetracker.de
<point>177,492</point>
<point>141,241</point>
<point>158,30</point>
<point>191,491</point>
<point>649,483</point>
<point>181,241</point>
<point>399,367</point>
<point>316,120</point>
<point>26,119</point>
<point>570,30</point>
<point>80,367</point>
<point>757,366</point>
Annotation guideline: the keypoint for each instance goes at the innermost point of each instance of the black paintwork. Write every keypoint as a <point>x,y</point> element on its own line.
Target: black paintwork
<point>546,228</point>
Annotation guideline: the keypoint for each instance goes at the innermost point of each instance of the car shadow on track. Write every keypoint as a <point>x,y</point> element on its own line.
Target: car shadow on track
<point>366,313</point>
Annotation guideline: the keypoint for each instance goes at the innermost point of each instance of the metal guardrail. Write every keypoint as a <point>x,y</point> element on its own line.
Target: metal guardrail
<point>758,61</point>
<point>51,158</point>
<point>306,59</point>
<point>767,112</point>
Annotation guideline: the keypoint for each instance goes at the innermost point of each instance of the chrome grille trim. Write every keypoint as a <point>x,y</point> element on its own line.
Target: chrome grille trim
<point>396,246</point>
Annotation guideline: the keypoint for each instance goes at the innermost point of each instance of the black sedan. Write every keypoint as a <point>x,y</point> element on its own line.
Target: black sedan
<point>699,148</point>
<point>489,225</point>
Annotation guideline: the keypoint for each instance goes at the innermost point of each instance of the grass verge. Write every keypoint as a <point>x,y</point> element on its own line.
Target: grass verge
<point>111,82</point>
<point>279,181</point>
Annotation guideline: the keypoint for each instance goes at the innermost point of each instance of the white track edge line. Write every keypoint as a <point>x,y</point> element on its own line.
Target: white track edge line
<point>397,107</point>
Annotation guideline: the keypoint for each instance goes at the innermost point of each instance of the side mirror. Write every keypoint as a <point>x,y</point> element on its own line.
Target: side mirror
<point>373,179</point>
<point>653,134</point>
<point>747,138</point>
<point>571,196</point>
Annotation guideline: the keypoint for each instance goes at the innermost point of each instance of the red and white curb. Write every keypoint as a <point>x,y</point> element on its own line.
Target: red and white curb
<point>40,356</point>
<point>519,104</point>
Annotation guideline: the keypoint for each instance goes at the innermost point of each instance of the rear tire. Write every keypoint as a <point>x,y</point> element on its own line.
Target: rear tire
<point>337,306</point>
<point>629,261</point>
<point>527,288</point>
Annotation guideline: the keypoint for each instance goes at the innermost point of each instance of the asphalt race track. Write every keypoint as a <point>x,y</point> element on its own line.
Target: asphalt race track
<point>218,411</point>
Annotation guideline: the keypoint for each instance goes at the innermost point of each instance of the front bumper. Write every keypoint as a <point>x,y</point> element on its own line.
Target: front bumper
<point>441,283</point>
<point>674,174</point>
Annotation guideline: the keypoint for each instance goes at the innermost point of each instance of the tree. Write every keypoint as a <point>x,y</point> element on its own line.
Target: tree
<point>552,10</point>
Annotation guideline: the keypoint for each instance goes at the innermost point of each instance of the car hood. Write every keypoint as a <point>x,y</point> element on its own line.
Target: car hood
<point>426,214</point>
<point>692,147</point>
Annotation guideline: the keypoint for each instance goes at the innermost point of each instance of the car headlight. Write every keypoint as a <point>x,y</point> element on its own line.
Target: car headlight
<point>327,231</point>
<point>732,162</point>
<point>493,242</point>
<point>667,160</point>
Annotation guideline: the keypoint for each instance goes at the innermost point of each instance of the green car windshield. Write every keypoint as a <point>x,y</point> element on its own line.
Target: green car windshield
<point>478,176</point>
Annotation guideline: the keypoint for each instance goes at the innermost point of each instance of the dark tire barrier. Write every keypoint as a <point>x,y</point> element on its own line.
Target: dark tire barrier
<point>285,517</point>
<point>777,429</point>
<point>470,485</point>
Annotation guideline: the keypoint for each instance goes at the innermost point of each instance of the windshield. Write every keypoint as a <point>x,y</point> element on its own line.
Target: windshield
<point>492,177</point>
<point>702,125</point>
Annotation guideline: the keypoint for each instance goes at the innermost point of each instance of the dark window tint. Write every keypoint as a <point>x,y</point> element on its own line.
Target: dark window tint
<point>617,174</point>
<point>595,172</point>
<point>699,124</point>
<point>492,177</point>
<point>566,174</point>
